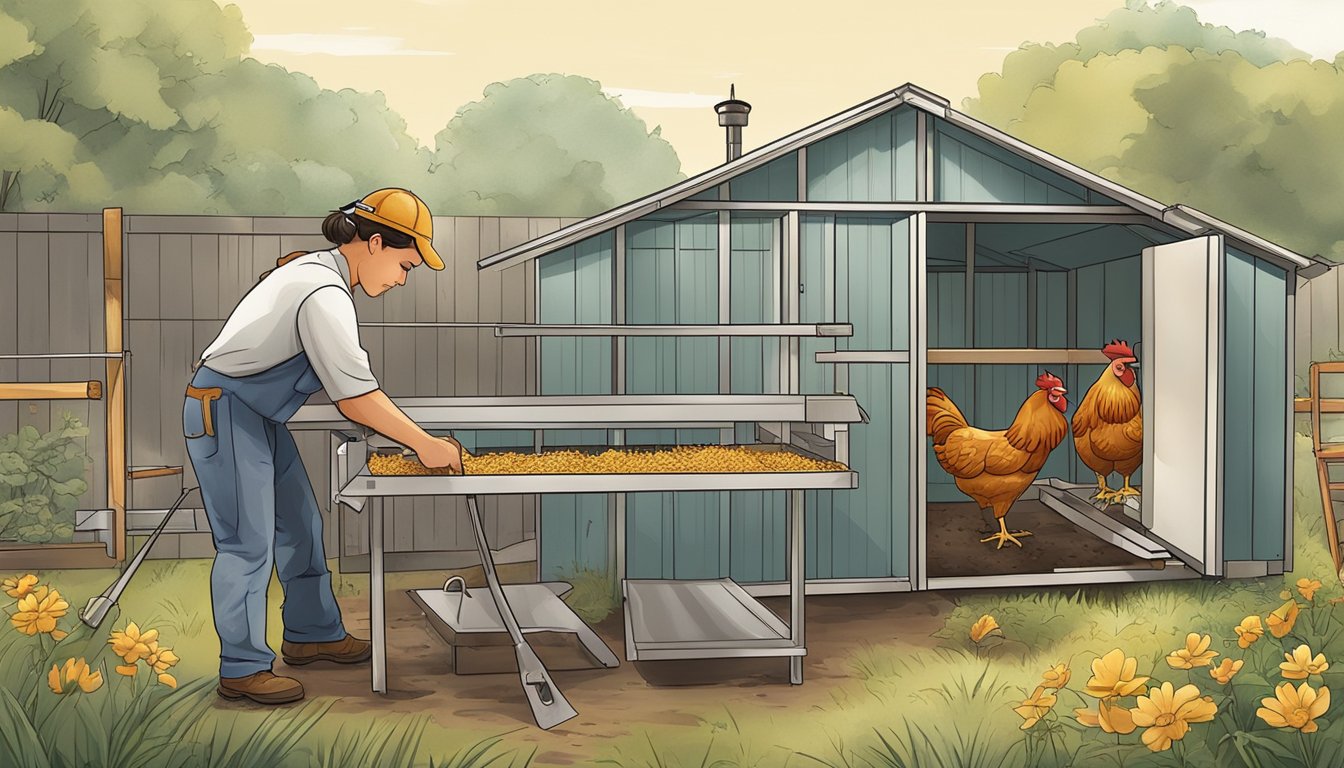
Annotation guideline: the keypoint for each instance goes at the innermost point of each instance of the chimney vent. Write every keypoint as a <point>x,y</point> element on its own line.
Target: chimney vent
<point>733,117</point>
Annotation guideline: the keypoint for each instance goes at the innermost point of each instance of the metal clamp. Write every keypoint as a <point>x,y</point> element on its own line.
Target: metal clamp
<point>463,591</point>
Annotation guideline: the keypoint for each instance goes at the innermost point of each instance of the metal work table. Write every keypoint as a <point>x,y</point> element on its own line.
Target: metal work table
<point>664,619</point>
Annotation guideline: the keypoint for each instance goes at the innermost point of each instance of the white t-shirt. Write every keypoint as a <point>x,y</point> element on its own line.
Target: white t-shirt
<point>304,306</point>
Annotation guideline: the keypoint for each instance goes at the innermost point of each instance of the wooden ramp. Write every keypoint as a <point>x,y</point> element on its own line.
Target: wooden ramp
<point>1328,451</point>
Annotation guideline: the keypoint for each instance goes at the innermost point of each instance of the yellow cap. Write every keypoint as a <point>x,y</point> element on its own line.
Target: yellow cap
<point>401,210</point>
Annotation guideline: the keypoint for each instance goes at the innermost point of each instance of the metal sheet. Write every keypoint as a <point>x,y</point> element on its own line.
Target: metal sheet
<point>690,615</point>
<point>603,411</point>
<point>365,485</point>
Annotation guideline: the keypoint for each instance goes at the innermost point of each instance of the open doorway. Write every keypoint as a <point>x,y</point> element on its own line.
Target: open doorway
<point>1020,308</point>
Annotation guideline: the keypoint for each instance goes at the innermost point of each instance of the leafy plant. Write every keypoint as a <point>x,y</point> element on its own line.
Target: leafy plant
<point>41,480</point>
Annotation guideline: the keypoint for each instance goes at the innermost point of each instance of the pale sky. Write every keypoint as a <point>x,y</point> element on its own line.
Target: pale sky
<point>671,61</point>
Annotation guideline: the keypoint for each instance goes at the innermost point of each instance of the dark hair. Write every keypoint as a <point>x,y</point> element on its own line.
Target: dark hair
<point>340,228</point>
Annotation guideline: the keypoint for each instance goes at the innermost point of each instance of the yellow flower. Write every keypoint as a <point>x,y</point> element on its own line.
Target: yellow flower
<point>1196,653</point>
<point>19,586</point>
<point>160,659</point>
<point>1225,671</point>
<point>128,670</point>
<point>1113,675</point>
<point>1298,664</point>
<point>1249,630</point>
<point>983,627</point>
<point>1294,708</point>
<point>1167,714</point>
<point>1035,707</point>
<point>1308,587</point>
<point>75,672</point>
<point>38,612</point>
<point>1283,618</point>
<point>1110,718</point>
<point>1056,677</point>
<point>133,644</point>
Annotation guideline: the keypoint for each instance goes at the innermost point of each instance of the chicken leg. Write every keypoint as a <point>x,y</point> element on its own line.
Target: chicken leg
<point>1003,536</point>
<point>1128,490</point>
<point>1104,494</point>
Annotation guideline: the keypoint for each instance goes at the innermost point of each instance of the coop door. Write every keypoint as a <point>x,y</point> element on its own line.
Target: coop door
<point>1180,363</point>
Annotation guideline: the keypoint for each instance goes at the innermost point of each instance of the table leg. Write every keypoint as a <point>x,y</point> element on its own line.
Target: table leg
<point>377,612</point>
<point>797,581</point>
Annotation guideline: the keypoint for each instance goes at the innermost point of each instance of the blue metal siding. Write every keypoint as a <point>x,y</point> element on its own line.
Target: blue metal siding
<point>1255,439</point>
<point>969,169</point>
<point>776,181</point>
<point>672,277</point>
<point>575,286</point>
<point>871,162</point>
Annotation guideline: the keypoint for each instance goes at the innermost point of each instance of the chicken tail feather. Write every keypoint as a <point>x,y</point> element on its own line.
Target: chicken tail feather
<point>943,416</point>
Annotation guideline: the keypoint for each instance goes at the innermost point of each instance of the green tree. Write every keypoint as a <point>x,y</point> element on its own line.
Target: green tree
<point>549,145</point>
<point>150,105</point>
<point>1242,126</point>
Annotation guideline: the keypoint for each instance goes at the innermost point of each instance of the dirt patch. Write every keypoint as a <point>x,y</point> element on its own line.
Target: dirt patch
<point>954,547</point>
<point>611,702</point>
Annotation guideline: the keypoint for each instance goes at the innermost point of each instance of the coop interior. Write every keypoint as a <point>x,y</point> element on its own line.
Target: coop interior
<point>1007,302</point>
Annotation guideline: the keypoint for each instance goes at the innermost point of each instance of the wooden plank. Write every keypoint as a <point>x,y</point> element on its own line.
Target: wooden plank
<point>1303,405</point>
<point>1017,356</point>
<point>9,332</point>
<point>144,338</point>
<point>176,354</point>
<point>265,250</point>
<point>34,322</point>
<point>113,260</point>
<point>466,284</point>
<point>1325,315</point>
<point>175,277</point>
<point>205,277</point>
<point>55,390</point>
<point>142,279</point>
<point>142,474</point>
<point>490,292</point>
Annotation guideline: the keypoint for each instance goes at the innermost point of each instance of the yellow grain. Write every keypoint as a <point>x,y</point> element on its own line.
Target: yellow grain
<point>682,459</point>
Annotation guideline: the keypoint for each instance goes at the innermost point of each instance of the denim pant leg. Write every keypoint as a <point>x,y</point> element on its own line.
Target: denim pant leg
<point>236,473</point>
<point>310,612</point>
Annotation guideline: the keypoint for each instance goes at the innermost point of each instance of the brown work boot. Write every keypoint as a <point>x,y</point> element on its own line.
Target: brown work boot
<point>347,650</point>
<point>263,687</point>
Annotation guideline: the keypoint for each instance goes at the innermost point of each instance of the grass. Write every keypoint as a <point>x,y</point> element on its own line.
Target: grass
<point>594,595</point>
<point>943,701</point>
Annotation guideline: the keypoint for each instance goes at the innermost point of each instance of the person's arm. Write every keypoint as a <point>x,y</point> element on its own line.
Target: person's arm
<point>330,337</point>
<point>377,411</point>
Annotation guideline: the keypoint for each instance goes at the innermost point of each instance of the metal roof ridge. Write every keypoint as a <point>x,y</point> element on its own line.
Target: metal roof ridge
<point>1178,214</point>
<point>710,178</point>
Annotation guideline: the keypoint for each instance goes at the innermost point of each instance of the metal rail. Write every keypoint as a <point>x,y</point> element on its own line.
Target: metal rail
<point>772,330</point>
<point>600,411</point>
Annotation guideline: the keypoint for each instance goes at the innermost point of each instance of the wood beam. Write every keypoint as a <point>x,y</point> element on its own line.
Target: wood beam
<point>52,390</point>
<point>116,394</point>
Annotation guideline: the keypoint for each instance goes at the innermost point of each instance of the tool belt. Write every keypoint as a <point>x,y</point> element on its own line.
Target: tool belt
<point>205,395</point>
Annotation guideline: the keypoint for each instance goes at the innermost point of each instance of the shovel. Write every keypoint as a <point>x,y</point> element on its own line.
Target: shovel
<point>549,706</point>
<point>96,611</point>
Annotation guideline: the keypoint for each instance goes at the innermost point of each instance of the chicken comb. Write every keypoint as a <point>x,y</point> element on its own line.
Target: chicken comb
<point>1117,349</point>
<point>1049,381</point>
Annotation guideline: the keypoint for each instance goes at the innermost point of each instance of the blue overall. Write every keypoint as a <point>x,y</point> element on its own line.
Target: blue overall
<point>262,512</point>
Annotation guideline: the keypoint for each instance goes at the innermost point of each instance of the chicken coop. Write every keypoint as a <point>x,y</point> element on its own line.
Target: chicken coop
<point>916,248</point>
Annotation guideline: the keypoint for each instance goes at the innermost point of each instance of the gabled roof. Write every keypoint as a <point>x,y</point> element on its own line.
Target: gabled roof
<point>1180,216</point>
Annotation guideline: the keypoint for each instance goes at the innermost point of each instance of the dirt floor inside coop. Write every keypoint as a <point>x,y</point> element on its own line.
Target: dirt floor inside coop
<point>955,549</point>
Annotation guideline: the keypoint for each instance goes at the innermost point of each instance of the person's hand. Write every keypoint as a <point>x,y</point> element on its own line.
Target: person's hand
<point>440,452</point>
